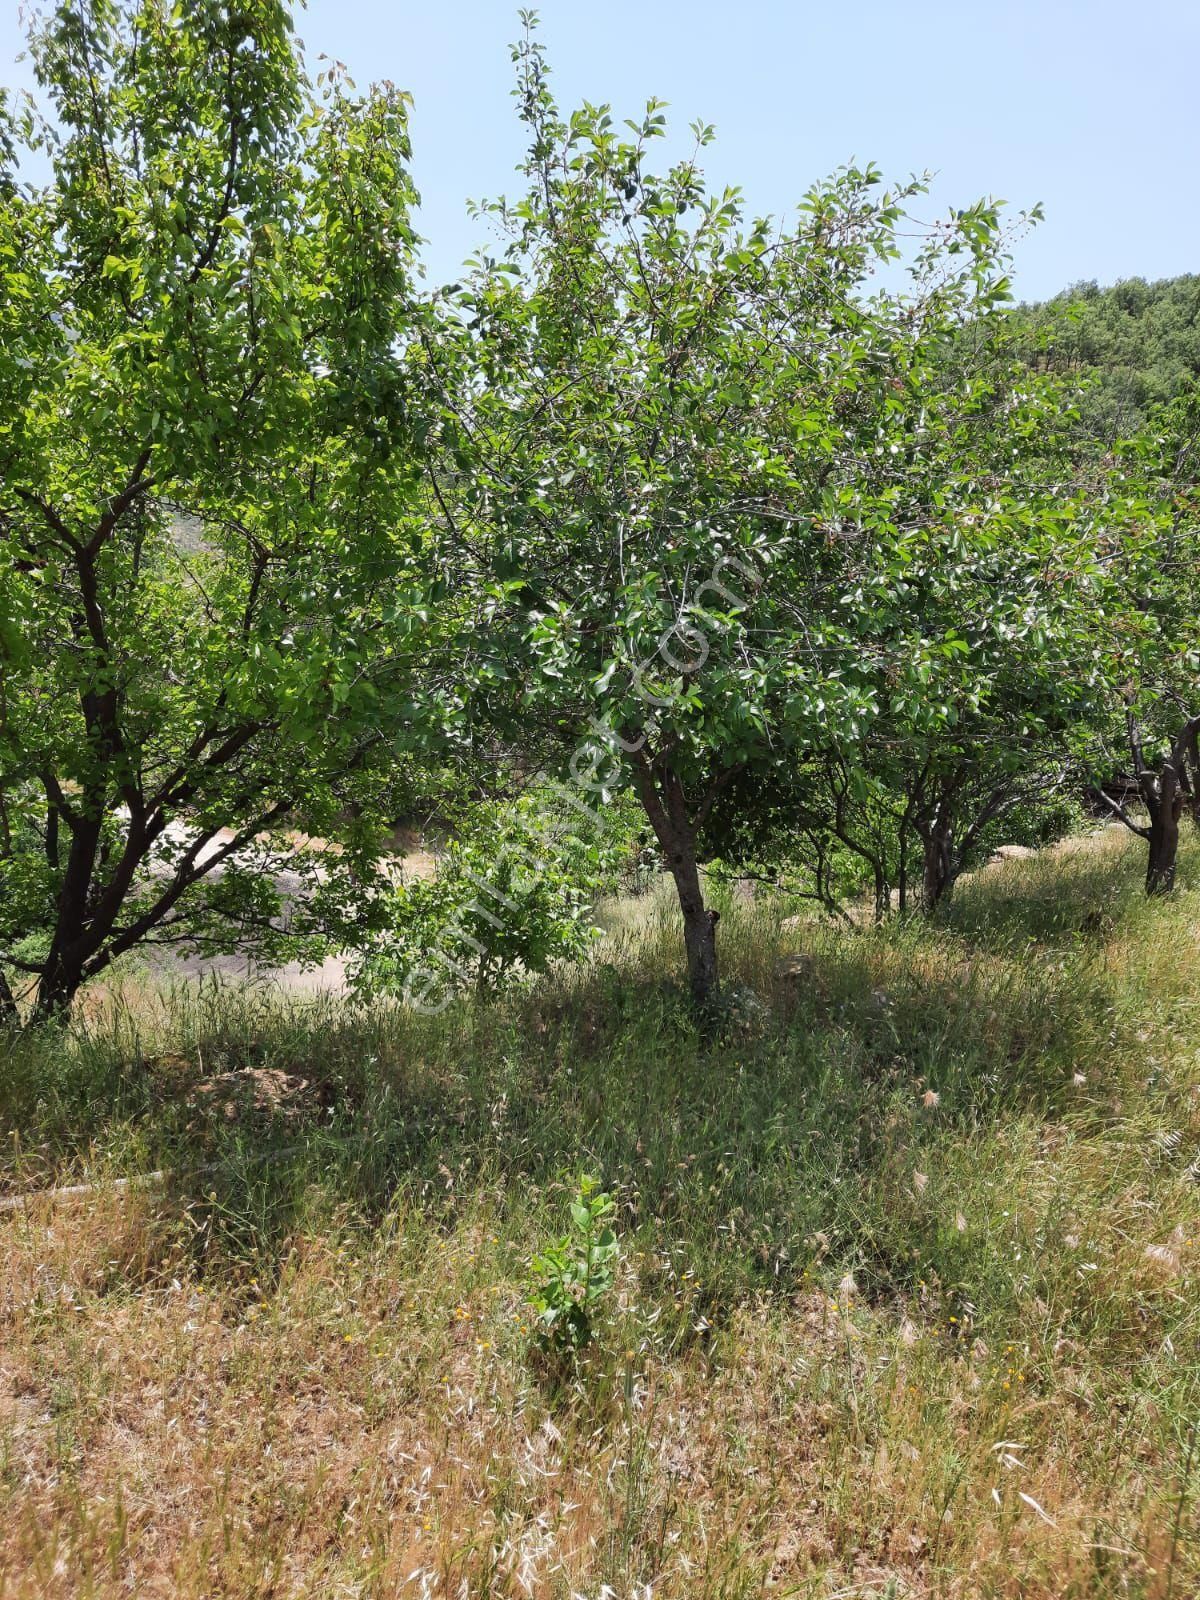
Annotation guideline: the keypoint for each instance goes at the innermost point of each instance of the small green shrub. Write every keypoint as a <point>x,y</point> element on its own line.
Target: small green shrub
<point>571,1278</point>
<point>511,897</point>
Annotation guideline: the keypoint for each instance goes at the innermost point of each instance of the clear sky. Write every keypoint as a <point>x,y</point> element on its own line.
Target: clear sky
<point>1086,105</point>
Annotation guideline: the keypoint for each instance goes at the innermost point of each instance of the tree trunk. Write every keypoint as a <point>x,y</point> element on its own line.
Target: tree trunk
<point>1164,832</point>
<point>57,987</point>
<point>666,807</point>
<point>1164,793</point>
<point>937,869</point>
<point>62,973</point>
<point>1160,866</point>
<point>699,934</point>
<point>10,1016</point>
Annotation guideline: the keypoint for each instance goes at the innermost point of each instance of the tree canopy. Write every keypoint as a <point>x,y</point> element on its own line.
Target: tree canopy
<point>209,580</point>
<point>790,528</point>
<point>728,501</point>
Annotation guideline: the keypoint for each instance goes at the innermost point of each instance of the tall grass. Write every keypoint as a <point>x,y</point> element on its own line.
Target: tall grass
<point>907,1303</point>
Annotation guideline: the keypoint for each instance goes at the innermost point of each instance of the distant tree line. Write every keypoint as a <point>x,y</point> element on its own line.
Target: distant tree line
<point>1135,346</point>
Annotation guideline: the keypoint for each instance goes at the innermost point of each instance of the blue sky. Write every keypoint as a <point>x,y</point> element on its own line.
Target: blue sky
<point>1087,107</point>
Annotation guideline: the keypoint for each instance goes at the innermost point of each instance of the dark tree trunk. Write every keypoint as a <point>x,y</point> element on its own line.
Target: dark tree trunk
<point>937,866</point>
<point>1163,793</point>
<point>1164,833</point>
<point>934,824</point>
<point>58,985</point>
<point>902,869</point>
<point>666,807</point>
<point>1164,845</point>
<point>699,936</point>
<point>10,1016</point>
<point>62,973</point>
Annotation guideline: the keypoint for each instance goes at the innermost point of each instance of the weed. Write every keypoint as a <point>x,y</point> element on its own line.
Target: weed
<point>571,1278</point>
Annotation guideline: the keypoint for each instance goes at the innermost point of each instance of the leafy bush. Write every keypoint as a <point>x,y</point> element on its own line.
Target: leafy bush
<point>571,1277</point>
<point>508,899</point>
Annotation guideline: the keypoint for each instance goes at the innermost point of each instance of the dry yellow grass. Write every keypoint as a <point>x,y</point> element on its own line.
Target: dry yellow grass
<point>976,1374</point>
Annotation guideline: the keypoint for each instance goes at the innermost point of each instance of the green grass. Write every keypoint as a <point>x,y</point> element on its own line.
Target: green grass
<point>914,1237</point>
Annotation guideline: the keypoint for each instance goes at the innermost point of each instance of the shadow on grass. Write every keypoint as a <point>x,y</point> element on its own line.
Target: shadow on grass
<point>1082,891</point>
<point>803,1133</point>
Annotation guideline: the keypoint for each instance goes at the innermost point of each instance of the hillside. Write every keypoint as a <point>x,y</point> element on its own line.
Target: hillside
<point>1137,343</point>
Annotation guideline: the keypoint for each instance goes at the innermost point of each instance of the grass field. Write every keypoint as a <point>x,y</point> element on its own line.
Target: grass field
<point>908,1300</point>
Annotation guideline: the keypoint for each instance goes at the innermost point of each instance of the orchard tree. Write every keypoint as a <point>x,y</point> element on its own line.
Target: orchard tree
<point>1002,568</point>
<point>1166,770</point>
<point>1152,546</point>
<point>666,433</point>
<point>1023,594</point>
<point>210,586</point>
<point>1030,605</point>
<point>1010,698</point>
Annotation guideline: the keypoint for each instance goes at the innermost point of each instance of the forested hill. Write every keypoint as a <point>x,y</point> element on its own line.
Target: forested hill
<point>1138,342</point>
